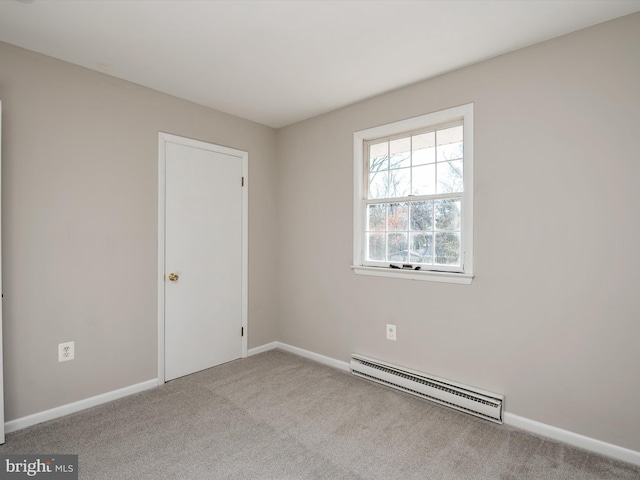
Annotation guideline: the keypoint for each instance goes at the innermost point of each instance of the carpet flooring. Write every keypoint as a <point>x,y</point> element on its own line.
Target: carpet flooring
<point>280,416</point>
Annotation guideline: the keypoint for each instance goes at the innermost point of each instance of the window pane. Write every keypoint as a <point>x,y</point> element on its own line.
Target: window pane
<point>422,216</point>
<point>450,177</point>
<point>421,248</point>
<point>398,216</point>
<point>425,155</point>
<point>424,150</point>
<point>376,216</point>
<point>448,248</point>
<point>447,213</point>
<point>400,153</point>
<point>450,152</point>
<point>375,247</point>
<point>378,184</point>
<point>400,182</point>
<point>398,247</point>
<point>449,135</point>
<point>378,157</point>
<point>449,143</point>
<point>424,180</point>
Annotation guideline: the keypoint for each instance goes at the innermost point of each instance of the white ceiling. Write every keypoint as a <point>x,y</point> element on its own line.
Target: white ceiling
<point>280,61</point>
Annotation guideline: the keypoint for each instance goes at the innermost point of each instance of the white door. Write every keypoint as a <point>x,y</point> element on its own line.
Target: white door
<point>204,256</point>
<point>1,367</point>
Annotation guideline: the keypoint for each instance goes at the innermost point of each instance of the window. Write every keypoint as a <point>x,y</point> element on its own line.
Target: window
<point>413,205</point>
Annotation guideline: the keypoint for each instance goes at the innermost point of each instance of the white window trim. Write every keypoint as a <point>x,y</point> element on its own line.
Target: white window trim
<point>466,276</point>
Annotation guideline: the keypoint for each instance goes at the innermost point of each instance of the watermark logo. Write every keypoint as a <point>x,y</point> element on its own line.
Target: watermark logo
<point>46,467</point>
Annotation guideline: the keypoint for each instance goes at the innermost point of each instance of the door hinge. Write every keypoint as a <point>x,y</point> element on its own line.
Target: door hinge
<point>243,181</point>
<point>242,331</point>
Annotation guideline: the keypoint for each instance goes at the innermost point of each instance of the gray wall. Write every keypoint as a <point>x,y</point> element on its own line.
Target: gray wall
<point>552,319</point>
<point>79,212</point>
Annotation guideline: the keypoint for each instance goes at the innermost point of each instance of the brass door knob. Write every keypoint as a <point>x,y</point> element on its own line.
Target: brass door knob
<point>173,277</point>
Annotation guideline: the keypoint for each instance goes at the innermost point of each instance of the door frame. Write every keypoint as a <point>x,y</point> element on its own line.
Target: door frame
<point>163,139</point>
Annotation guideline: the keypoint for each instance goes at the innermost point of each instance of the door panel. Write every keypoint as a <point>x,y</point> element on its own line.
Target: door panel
<point>1,301</point>
<point>203,247</point>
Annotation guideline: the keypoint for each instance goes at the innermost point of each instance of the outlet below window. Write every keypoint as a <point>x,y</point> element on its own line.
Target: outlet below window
<point>66,351</point>
<point>391,332</point>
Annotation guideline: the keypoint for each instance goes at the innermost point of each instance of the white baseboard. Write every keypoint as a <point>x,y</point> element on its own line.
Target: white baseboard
<point>29,420</point>
<point>301,352</point>
<point>332,362</point>
<point>577,440</point>
<point>262,348</point>
<point>549,431</point>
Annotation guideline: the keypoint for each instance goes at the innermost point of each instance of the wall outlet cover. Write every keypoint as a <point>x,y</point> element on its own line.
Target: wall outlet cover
<point>66,351</point>
<point>391,332</point>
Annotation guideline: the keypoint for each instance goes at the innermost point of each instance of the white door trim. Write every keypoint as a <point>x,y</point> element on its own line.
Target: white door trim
<point>163,139</point>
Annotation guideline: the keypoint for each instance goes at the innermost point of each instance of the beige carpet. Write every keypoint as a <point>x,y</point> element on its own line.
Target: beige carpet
<point>279,416</point>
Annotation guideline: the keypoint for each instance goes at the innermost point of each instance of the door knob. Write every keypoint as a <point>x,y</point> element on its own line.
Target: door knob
<point>173,277</point>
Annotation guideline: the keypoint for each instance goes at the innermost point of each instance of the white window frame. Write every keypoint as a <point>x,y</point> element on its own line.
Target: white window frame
<point>430,273</point>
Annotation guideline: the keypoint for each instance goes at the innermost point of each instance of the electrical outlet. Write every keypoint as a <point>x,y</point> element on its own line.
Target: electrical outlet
<point>391,332</point>
<point>66,351</point>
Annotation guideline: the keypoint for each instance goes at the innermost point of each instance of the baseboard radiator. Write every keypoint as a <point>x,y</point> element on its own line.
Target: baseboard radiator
<point>470,400</point>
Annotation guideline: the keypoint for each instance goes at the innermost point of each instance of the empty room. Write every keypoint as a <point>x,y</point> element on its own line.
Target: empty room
<point>320,239</point>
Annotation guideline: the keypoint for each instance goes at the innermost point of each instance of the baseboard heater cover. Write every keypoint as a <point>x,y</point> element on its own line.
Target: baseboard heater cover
<point>467,399</point>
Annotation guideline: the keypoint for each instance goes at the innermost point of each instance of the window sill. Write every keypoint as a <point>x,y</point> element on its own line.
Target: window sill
<point>424,275</point>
